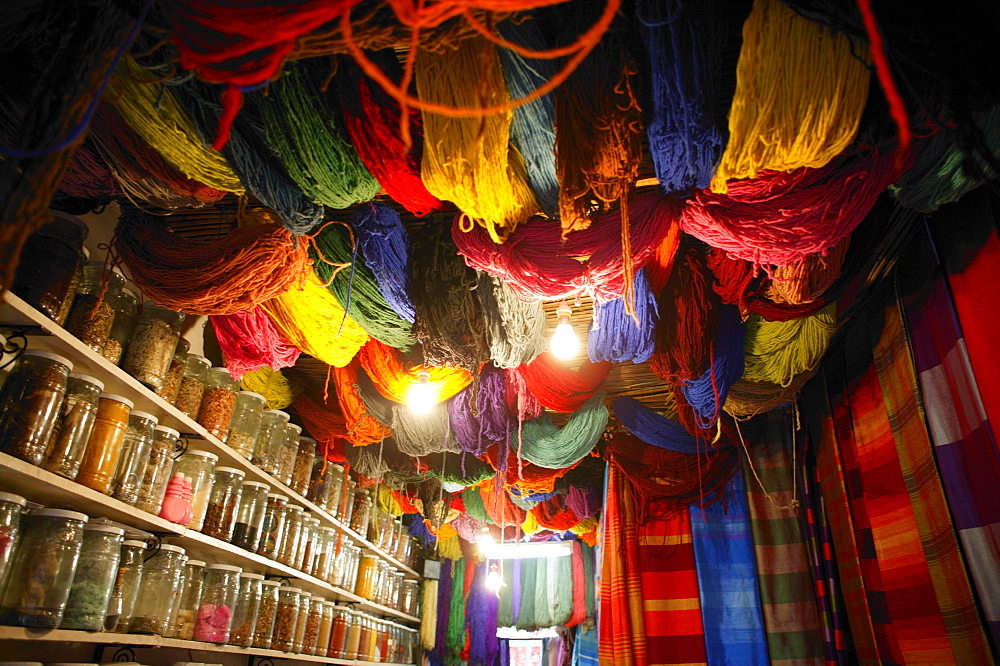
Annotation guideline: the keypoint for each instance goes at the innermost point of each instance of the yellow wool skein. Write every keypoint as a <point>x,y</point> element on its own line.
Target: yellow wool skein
<point>310,317</point>
<point>450,548</point>
<point>471,161</point>
<point>385,500</point>
<point>779,351</point>
<point>274,386</point>
<point>800,92</point>
<point>428,614</point>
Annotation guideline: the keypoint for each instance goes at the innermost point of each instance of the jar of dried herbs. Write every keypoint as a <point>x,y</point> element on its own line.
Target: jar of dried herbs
<point>161,584</point>
<point>130,564</point>
<point>288,452</point>
<point>192,385</point>
<point>223,503</point>
<point>288,549</point>
<point>264,627</point>
<point>302,470</point>
<point>285,618</point>
<point>244,426</point>
<point>104,447</point>
<point>11,506</point>
<point>94,579</point>
<point>172,382</point>
<point>247,608</point>
<point>92,314</point>
<point>29,403</point>
<point>46,273</point>
<point>135,454</point>
<point>156,476</point>
<point>217,403</point>
<point>125,305</point>
<point>76,421</point>
<point>273,528</point>
<point>152,345</point>
<point>270,439</point>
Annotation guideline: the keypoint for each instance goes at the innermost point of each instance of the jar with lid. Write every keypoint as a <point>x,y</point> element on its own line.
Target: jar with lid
<point>188,601</point>
<point>338,632</point>
<point>161,584</point>
<point>250,516</point>
<point>307,544</point>
<point>217,402</point>
<point>192,386</point>
<point>152,345</point>
<point>156,476</point>
<point>360,512</point>
<point>270,440</point>
<point>244,426</point>
<point>223,503</point>
<point>73,427</point>
<point>94,579</point>
<point>378,586</point>
<point>393,531</point>
<point>175,372</point>
<point>338,557</point>
<point>403,544</point>
<point>391,645</point>
<point>126,592</point>
<point>302,470</point>
<point>285,618</point>
<point>91,316</point>
<point>47,267</point>
<point>319,482</point>
<point>42,569</point>
<point>300,625</point>
<point>11,506</point>
<point>218,599</point>
<point>29,403</point>
<point>288,453</point>
<point>314,619</point>
<point>100,460</point>
<point>354,563</point>
<point>347,502</point>
<point>409,593</point>
<point>323,562</point>
<point>397,589</point>
<point>365,630</point>
<point>364,586</point>
<point>289,547</point>
<point>382,647</point>
<point>336,483</point>
<point>135,454</point>
<point>264,626</point>
<point>354,627</point>
<point>198,467</point>
<point>416,553</point>
<point>325,629</point>
<point>246,610</point>
<point>125,306</point>
<point>272,531</point>
<point>377,526</point>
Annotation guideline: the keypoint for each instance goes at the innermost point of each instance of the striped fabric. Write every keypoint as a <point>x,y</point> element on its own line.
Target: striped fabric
<point>964,442</point>
<point>727,581</point>
<point>787,593</point>
<point>585,647</point>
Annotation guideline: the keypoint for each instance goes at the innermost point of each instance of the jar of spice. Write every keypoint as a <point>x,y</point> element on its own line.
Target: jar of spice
<point>188,601</point>
<point>403,544</point>
<point>319,482</point>
<point>364,586</point>
<point>285,618</point>
<point>192,385</point>
<point>217,403</point>
<point>162,575</point>
<point>92,314</point>
<point>289,547</point>
<point>264,626</point>
<point>323,561</point>
<point>269,441</point>
<point>409,594</point>
<point>273,527</point>
<point>355,623</point>
<point>11,506</point>
<point>29,403</point>
<point>47,268</point>
<point>338,632</point>
<point>125,306</point>
<point>247,607</point>
<point>134,456</point>
<point>218,599</point>
<point>288,453</point>
<point>335,495</point>
<point>198,467</point>
<point>156,476</point>
<point>223,503</point>
<point>325,629</point>
<point>347,502</point>
<point>314,619</point>
<point>244,426</point>
<point>126,586</point>
<point>94,579</point>
<point>152,344</point>
<point>302,470</point>
<point>361,512</point>
<point>364,631</point>
<point>100,460</point>
<point>175,372</point>
<point>300,624</point>
<point>250,516</point>
<point>74,425</point>
<point>42,569</point>
<point>377,527</point>
<point>303,558</point>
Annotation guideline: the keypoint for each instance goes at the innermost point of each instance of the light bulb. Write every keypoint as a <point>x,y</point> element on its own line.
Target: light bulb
<point>421,396</point>
<point>564,343</point>
<point>486,542</point>
<point>494,581</point>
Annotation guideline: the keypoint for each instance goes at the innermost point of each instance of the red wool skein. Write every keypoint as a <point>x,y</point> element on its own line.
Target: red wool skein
<point>559,388</point>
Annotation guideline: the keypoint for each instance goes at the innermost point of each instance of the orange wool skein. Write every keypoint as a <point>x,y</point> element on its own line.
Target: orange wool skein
<point>384,365</point>
<point>362,428</point>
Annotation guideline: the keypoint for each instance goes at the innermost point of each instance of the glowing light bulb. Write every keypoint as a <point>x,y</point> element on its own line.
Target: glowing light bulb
<point>494,581</point>
<point>421,396</point>
<point>486,542</point>
<point>564,343</point>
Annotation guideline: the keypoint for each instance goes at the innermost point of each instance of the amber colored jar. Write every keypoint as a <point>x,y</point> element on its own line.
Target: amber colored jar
<point>48,265</point>
<point>105,444</point>
<point>92,315</point>
<point>338,634</point>
<point>30,402</point>
<point>217,403</point>
<point>364,586</point>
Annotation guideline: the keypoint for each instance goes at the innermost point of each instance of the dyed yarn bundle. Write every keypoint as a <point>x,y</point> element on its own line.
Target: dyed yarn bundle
<point>384,366</point>
<point>617,337</point>
<point>805,281</point>
<point>559,388</point>
<point>378,406</point>
<point>515,327</point>
<point>208,278</point>
<point>707,394</point>
<point>386,246</point>
<point>779,351</point>
<point>273,385</point>
<point>422,434</point>
<point>87,176</point>
<point>747,399</point>
<point>543,444</point>
<point>249,341</point>
<point>653,428</point>
<point>361,427</point>
<point>479,416</point>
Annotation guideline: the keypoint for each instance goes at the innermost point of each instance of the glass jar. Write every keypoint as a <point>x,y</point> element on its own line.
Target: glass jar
<point>288,452</point>
<point>192,385</point>
<point>42,569</point>
<point>396,590</point>
<point>394,529</point>
<point>364,631</point>
<point>223,503</point>
<point>300,624</point>
<point>367,578</point>
<point>354,563</point>
<point>416,553</point>
<point>152,345</point>
<point>125,305</point>
<point>175,372</point>
<point>91,316</point>
<point>319,482</point>
<point>302,470</point>
<point>94,580</point>
<point>323,562</point>
<point>73,427</point>
<point>218,599</point>
<point>377,526</point>
<point>161,584</point>
<point>354,627</point>
<point>285,618</point>
<point>264,626</point>
<point>347,502</point>
<point>156,476</point>
<point>127,584</point>
<point>404,544</point>
<point>217,402</point>
<point>325,629</point>
<point>273,528</point>
<point>247,607</point>
<point>188,601</point>
<point>339,553</point>
<point>134,456</point>
<point>289,547</point>
<point>314,619</point>
<point>29,403</point>
<point>307,544</point>
<point>336,483</point>
<point>382,648</point>
<point>11,506</point>
<point>250,516</point>
<point>100,460</point>
<point>360,512</point>
<point>244,426</point>
<point>378,585</point>
<point>47,267</point>
<point>338,633</point>
<point>198,467</point>
<point>270,440</point>
<point>409,594</point>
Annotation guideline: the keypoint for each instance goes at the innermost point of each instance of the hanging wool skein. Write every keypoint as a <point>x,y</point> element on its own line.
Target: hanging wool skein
<point>378,406</point>
<point>303,131</point>
<point>470,161</point>
<point>615,336</point>
<point>746,399</point>
<point>87,176</point>
<point>743,284</point>
<point>515,327</point>
<point>208,278</point>
<point>249,341</point>
<point>386,248</point>
<point>779,351</point>
<point>707,394</point>
<point>384,366</point>
<point>559,388</point>
<point>540,442</point>
<point>373,121</point>
<point>361,427</point>
<point>800,92</point>
<point>272,384</point>
<point>422,434</point>
<point>479,416</point>
<point>805,281</point>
